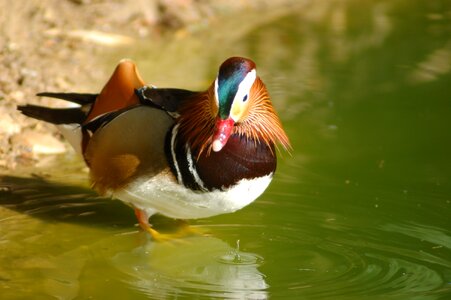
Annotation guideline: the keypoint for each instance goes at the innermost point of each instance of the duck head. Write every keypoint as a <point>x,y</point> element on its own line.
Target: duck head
<point>237,102</point>
<point>232,90</point>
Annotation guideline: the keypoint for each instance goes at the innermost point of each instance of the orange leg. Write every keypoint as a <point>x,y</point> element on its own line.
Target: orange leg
<point>143,220</point>
<point>184,230</point>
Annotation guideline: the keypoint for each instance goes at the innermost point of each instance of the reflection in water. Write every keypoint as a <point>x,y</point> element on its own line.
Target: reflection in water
<point>436,64</point>
<point>203,266</point>
<point>435,236</point>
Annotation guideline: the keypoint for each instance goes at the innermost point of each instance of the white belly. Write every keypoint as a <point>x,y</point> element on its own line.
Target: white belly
<point>160,194</point>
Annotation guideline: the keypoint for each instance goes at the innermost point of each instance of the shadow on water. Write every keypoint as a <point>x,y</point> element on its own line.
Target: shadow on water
<point>57,202</point>
<point>54,201</point>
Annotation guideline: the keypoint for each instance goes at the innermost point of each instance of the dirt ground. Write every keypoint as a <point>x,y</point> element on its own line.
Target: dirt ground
<point>41,41</point>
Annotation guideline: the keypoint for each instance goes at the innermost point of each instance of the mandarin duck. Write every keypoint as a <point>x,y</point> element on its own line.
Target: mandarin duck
<point>179,153</point>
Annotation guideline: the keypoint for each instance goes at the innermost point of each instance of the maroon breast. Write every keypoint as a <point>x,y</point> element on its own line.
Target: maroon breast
<point>240,158</point>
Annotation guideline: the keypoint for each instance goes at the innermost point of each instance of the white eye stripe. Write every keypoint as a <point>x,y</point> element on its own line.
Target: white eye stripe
<point>216,92</point>
<point>244,89</point>
<point>243,92</point>
<point>245,86</point>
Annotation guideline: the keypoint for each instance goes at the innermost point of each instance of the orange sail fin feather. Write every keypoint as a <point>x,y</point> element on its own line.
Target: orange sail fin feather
<point>119,91</point>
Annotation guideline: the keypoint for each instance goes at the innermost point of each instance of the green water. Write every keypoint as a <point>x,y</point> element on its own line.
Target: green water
<point>361,209</point>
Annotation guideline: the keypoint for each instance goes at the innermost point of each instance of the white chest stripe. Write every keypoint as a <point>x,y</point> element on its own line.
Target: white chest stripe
<point>174,157</point>
<point>193,170</point>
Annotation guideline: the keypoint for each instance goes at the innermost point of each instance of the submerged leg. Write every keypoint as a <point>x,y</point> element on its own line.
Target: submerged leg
<point>186,229</point>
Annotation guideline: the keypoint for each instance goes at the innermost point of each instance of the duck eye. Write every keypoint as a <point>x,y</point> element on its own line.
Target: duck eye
<point>245,98</point>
